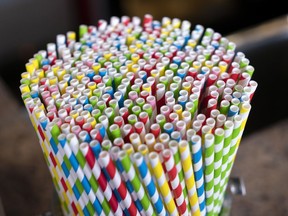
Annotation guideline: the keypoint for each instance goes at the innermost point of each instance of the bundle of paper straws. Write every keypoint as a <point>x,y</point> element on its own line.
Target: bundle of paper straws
<point>139,118</point>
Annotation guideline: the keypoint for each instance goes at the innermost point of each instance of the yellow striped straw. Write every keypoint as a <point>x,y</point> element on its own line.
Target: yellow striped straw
<point>186,161</point>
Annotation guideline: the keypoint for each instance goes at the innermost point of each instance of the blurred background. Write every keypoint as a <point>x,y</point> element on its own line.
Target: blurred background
<point>260,30</point>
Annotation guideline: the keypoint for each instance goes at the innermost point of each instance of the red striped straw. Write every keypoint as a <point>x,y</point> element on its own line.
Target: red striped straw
<point>174,181</point>
<point>92,162</point>
<point>106,163</point>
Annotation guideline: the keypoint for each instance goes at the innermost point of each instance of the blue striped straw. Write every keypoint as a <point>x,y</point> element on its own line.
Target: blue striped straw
<point>198,171</point>
<point>84,181</point>
<point>148,182</point>
<point>114,155</point>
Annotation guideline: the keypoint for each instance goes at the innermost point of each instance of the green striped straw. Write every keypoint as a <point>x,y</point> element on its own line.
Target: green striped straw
<point>148,108</point>
<point>209,172</point>
<point>101,105</point>
<point>110,113</point>
<point>233,146</point>
<point>91,179</point>
<point>136,183</point>
<point>113,103</point>
<point>228,130</point>
<point>218,151</point>
<point>136,110</point>
<point>128,103</point>
<point>115,131</point>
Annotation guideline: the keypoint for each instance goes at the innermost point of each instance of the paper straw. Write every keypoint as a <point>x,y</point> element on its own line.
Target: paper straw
<point>107,192</point>
<point>115,156</point>
<point>83,191</point>
<point>91,179</point>
<point>72,140</point>
<point>148,182</point>
<point>198,171</point>
<point>136,183</point>
<point>186,161</point>
<point>106,162</point>
<point>174,181</point>
<point>218,152</point>
<point>174,147</point>
<point>159,174</point>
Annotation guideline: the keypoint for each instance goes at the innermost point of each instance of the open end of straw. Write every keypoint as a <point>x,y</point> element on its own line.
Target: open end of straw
<point>84,145</point>
<point>210,121</point>
<point>93,143</point>
<point>196,138</point>
<point>127,127</point>
<point>153,155</point>
<point>75,129</point>
<point>134,136</point>
<point>155,126</point>
<point>103,118</point>
<point>183,143</point>
<point>83,134</point>
<point>114,127</point>
<point>228,124</point>
<point>137,156</point>
<point>127,146</point>
<point>201,117</point>
<point>190,132</point>
<point>104,154</point>
<point>61,136</point>
<point>158,147</point>
<point>70,136</point>
<point>197,124</point>
<point>136,108</point>
<point>138,125</point>
<point>149,136</point>
<point>175,135</point>
<point>186,114</point>
<point>219,132</point>
<point>225,103</point>
<point>209,137</point>
<point>234,108</point>
<point>166,153</point>
<point>114,150</point>
<point>246,106</point>
<point>164,137</point>
<point>173,144</point>
<point>180,124</point>
<point>106,143</point>
<point>142,148</point>
<point>143,115</point>
<point>221,118</point>
<point>167,126</point>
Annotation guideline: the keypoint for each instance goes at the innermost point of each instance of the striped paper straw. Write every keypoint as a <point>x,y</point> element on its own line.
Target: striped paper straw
<point>136,183</point>
<point>92,162</point>
<point>148,182</point>
<point>198,171</point>
<point>174,181</point>
<point>186,161</point>
<point>115,156</point>
<point>159,174</point>
<point>106,162</point>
